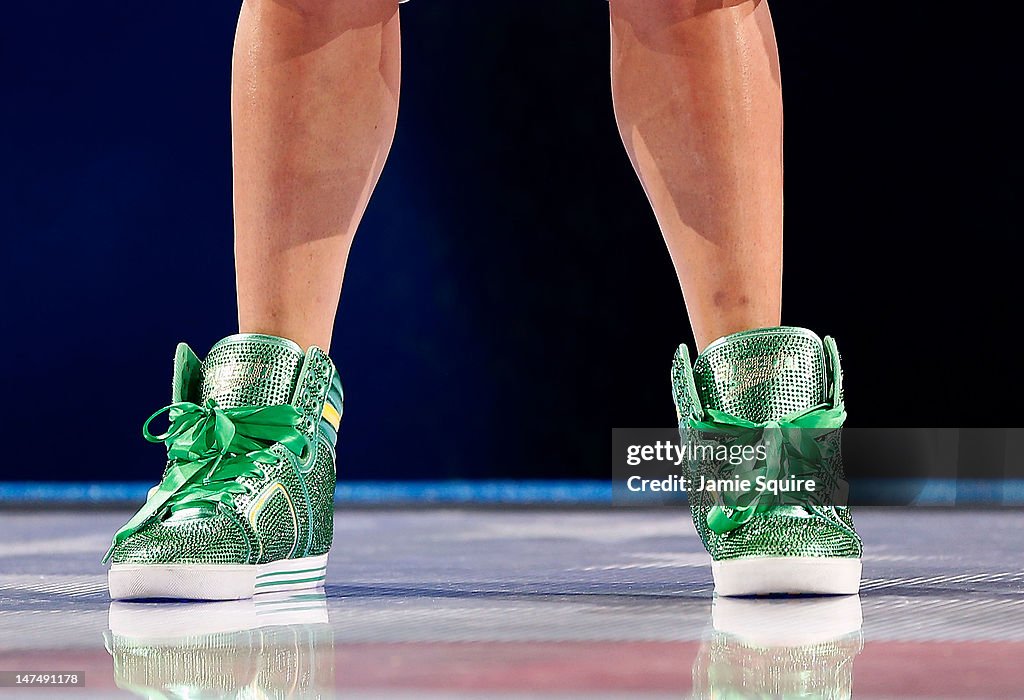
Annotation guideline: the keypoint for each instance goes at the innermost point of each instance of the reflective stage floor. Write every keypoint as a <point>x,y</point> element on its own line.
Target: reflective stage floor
<point>530,603</point>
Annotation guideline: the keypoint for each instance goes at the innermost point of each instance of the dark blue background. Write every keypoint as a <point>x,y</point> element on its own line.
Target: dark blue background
<point>508,300</point>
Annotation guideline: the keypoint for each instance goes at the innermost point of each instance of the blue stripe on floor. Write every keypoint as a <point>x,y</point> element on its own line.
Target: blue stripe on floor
<point>495,492</point>
<point>358,492</point>
<point>927,492</point>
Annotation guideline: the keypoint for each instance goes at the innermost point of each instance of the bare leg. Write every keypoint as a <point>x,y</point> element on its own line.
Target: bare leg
<point>698,101</point>
<point>314,104</point>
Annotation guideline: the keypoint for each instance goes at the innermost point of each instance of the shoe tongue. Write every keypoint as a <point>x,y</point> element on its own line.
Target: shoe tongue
<point>251,370</point>
<point>763,374</point>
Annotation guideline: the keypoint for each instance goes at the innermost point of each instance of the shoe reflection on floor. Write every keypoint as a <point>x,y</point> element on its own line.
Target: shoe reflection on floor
<point>274,645</point>
<point>780,648</point>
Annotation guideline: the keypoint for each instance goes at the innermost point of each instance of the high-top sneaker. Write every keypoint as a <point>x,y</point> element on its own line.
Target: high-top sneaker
<point>779,390</point>
<point>245,504</point>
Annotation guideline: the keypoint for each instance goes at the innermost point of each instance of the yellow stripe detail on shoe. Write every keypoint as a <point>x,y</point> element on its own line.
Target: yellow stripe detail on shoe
<point>332,416</point>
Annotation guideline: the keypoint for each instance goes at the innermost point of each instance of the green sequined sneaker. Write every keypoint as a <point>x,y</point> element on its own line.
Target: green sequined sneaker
<point>245,504</point>
<point>782,387</point>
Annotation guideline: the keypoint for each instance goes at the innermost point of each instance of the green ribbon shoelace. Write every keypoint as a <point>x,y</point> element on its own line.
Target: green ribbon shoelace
<point>209,448</point>
<point>790,451</point>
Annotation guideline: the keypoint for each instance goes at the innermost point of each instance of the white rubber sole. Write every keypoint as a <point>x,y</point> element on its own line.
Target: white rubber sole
<point>214,581</point>
<point>786,576</point>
